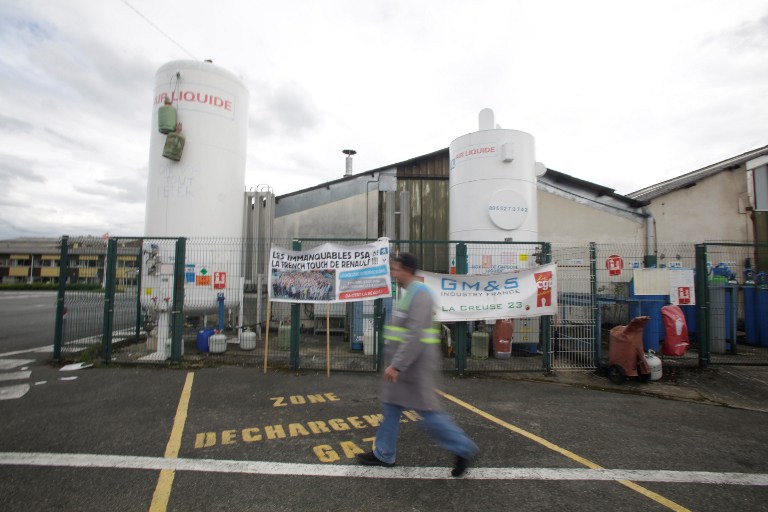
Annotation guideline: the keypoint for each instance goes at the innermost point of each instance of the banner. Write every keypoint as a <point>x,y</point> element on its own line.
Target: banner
<point>522,293</point>
<point>330,273</point>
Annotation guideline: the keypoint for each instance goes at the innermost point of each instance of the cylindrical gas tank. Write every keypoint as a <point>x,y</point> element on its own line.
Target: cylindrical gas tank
<point>654,363</point>
<point>200,196</point>
<point>492,185</point>
<point>248,340</point>
<point>480,345</point>
<point>493,195</point>
<point>217,344</point>
<point>166,118</point>
<point>284,337</point>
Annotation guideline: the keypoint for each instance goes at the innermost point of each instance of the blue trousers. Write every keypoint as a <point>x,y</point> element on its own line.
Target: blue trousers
<point>438,425</point>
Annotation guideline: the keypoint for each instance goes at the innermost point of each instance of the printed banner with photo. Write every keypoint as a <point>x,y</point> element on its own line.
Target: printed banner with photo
<point>330,273</point>
<point>522,293</point>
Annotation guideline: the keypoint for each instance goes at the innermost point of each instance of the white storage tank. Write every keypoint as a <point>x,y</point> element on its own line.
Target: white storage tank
<point>492,191</point>
<point>200,195</point>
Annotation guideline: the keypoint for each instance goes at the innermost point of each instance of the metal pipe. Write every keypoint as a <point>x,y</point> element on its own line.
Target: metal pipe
<point>367,207</point>
<point>220,300</point>
<point>650,233</point>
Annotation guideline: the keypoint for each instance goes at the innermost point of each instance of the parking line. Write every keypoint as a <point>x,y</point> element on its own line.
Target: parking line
<point>352,470</point>
<point>165,481</point>
<point>581,460</point>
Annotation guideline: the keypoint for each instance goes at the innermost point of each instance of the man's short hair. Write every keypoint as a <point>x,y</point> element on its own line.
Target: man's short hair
<point>407,260</point>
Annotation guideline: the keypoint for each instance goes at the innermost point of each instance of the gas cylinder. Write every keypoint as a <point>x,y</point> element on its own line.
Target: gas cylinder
<point>217,344</point>
<point>166,117</point>
<point>654,363</point>
<point>248,339</point>
<point>480,345</point>
<point>174,144</point>
<point>284,337</point>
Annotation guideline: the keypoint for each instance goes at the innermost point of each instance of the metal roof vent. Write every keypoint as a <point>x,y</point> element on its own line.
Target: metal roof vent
<point>349,153</point>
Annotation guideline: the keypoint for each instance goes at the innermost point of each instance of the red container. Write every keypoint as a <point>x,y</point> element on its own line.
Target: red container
<point>502,338</point>
<point>626,357</point>
<point>676,340</point>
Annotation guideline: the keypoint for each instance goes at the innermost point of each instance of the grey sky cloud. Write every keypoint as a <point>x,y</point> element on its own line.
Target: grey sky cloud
<point>601,85</point>
<point>11,124</point>
<point>284,110</point>
<point>15,168</point>
<point>124,190</point>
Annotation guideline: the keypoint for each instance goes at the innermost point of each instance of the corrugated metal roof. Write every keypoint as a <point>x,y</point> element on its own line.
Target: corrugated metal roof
<point>579,187</point>
<point>687,180</point>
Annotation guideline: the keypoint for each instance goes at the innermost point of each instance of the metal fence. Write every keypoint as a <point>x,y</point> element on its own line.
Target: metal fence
<point>155,301</point>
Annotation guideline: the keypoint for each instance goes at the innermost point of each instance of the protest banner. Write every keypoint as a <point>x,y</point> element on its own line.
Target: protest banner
<point>330,273</point>
<point>522,293</point>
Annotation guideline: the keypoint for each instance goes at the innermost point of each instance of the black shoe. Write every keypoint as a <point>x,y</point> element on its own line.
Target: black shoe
<point>369,459</point>
<point>460,466</point>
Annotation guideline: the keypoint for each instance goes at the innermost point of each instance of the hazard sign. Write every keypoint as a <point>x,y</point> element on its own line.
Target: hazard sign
<point>614,264</point>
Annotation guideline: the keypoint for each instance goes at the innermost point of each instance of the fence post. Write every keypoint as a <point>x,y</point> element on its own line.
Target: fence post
<point>137,331</point>
<point>546,321</point>
<point>378,326</point>
<point>593,303</point>
<point>177,307</point>
<point>110,270</point>
<point>461,327</point>
<point>58,335</point>
<point>702,304</point>
<point>295,323</point>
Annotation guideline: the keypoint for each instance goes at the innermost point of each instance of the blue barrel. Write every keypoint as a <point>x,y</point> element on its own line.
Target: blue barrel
<point>356,329</point>
<point>691,320</point>
<point>762,320</point>
<point>650,305</point>
<point>202,339</point>
<point>730,316</point>
<point>751,331</point>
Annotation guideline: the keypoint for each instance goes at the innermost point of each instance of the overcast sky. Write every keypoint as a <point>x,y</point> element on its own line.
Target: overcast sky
<point>623,94</point>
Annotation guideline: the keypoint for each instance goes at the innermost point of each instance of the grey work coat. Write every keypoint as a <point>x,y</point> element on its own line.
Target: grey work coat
<point>413,347</point>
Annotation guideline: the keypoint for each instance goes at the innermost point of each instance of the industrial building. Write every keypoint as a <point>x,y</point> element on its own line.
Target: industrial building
<point>409,200</point>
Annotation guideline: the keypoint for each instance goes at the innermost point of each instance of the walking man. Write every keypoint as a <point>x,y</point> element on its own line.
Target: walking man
<point>409,380</point>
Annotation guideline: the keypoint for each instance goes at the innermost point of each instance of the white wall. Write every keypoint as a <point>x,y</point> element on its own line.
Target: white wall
<point>563,220</point>
<point>709,210</point>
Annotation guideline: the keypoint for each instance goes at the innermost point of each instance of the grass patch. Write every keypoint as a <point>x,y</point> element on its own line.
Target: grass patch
<point>91,355</point>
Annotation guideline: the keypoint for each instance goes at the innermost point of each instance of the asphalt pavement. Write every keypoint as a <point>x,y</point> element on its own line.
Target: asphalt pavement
<point>235,438</point>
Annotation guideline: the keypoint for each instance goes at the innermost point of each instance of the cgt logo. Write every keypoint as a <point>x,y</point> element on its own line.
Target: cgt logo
<point>543,289</point>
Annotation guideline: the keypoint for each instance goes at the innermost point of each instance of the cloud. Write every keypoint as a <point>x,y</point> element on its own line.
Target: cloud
<point>13,125</point>
<point>124,190</point>
<point>748,36</point>
<point>286,109</point>
<point>15,168</point>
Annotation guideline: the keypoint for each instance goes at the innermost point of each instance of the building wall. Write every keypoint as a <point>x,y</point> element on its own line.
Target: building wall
<point>564,221</point>
<point>343,218</point>
<point>713,209</point>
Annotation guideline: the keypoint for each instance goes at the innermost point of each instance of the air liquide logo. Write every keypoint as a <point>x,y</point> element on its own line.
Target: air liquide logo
<point>543,288</point>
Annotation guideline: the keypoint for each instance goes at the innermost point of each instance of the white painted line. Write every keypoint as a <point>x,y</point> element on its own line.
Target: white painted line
<point>15,375</point>
<point>84,460</point>
<point>48,348</point>
<point>13,392</point>
<point>8,364</point>
<point>75,366</point>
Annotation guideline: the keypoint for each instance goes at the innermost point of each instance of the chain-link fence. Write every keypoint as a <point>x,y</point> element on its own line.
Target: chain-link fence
<point>205,301</point>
